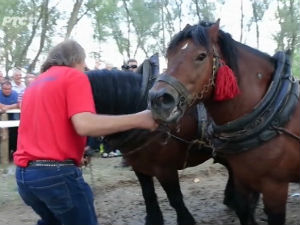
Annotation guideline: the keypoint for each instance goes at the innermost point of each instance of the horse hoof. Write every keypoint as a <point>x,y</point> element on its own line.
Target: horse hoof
<point>189,222</point>
<point>154,221</point>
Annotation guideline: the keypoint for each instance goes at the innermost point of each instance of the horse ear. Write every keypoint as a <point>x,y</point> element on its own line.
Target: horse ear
<point>186,26</point>
<point>213,31</point>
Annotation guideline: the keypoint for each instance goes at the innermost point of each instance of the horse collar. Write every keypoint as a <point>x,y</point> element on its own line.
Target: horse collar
<point>259,126</point>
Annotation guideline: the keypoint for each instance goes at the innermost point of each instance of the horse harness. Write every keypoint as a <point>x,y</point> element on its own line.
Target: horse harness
<point>267,119</point>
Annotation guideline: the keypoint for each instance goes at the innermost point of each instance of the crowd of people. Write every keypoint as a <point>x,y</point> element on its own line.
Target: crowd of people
<point>12,89</point>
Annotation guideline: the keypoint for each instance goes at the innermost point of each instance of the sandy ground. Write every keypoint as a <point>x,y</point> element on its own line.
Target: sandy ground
<point>119,201</point>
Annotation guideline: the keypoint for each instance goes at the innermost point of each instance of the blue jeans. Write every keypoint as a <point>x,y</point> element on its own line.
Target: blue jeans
<point>59,195</point>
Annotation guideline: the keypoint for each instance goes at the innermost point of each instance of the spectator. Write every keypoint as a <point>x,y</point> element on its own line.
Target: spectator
<point>131,65</point>
<point>55,119</point>
<point>16,82</point>
<point>8,97</point>
<point>9,100</point>
<point>109,66</point>
<point>2,78</point>
<point>30,77</point>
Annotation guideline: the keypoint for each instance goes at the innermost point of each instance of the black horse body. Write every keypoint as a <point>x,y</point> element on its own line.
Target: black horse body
<point>118,92</point>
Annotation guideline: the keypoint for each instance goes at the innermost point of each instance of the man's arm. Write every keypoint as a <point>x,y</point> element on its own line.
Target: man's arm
<point>89,124</point>
<point>7,107</point>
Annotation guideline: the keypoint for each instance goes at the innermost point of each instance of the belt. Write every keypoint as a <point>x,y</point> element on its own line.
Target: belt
<point>67,162</point>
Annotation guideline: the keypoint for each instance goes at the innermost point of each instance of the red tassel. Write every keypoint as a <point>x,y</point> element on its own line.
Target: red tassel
<point>226,86</point>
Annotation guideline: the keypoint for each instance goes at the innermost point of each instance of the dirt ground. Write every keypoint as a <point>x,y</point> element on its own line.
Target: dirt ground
<point>119,200</point>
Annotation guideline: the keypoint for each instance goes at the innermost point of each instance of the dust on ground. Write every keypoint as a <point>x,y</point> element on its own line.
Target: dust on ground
<point>119,201</point>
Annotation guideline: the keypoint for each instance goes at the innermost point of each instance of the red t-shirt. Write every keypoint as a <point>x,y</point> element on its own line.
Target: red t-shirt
<point>46,130</point>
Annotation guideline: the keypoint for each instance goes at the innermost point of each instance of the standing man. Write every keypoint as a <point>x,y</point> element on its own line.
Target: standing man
<point>57,113</point>
<point>2,78</point>
<point>9,100</point>
<point>132,65</point>
<point>16,82</point>
<point>30,77</point>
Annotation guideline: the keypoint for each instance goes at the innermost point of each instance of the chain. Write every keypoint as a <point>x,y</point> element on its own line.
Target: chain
<point>210,83</point>
<point>90,166</point>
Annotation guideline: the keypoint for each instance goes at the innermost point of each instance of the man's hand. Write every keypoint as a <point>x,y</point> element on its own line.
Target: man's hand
<point>85,160</point>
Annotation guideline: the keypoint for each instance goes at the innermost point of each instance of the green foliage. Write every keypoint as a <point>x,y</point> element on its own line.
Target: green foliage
<point>136,26</point>
<point>110,21</point>
<point>288,16</point>
<point>19,31</point>
<point>14,32</point>
<point>296,64</point>
<point>203,10</point>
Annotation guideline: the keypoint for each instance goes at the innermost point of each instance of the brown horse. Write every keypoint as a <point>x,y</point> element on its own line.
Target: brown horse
<point>254,102</point>
<point>157,154</point>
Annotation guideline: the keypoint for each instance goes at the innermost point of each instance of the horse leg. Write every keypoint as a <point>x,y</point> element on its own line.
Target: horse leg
<point>229,189</point>
<point>170,182</point>
<point>229,199</point>
<point>274,198</point>
<point>154,215</point>
<point>245,202</point>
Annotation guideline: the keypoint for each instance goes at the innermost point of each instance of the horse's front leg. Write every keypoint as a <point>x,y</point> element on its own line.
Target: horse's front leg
<point>169,180</point>
<point>229,199</point>
<point>245,202</point>
<point>154,215</point>
<point>275,198</point>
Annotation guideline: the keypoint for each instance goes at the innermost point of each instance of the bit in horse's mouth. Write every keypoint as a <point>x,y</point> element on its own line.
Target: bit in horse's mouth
<point>174,115</point>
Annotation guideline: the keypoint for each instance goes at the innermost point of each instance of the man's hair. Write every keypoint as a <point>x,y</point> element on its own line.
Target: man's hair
<point>67,53</point>
<point>131,60</point>
<point>6,82</point>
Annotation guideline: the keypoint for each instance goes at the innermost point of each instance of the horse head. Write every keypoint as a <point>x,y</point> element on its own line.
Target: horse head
<point>192,53</point>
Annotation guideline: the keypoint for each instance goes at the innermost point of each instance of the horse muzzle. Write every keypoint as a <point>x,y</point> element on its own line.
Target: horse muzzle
<point>165,105</point>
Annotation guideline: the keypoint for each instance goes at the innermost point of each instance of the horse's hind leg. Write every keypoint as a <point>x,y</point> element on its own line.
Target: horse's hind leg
<point>245,202</point>
<point>274,198</point>
<point>170,182</point>
<point>154,215</point>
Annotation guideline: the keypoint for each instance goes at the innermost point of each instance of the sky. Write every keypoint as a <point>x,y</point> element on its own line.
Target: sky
<point>230,22</point>
<point>229,15</point>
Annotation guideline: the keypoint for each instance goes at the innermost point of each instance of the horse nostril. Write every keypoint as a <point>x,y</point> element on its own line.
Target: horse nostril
<point>166,100</point>
<point>162,101</point>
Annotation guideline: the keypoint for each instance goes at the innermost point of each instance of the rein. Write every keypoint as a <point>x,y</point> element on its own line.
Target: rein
<point>187,99</point>
<point>282,130</point>
<point>164,131</point>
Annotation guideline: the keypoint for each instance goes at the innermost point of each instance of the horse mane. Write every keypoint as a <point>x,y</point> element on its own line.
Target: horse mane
<point>228,46</point>
<point>116,92</point>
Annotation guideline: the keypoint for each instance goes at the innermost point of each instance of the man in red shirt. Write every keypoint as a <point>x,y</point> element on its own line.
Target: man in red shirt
<point>58,113</point>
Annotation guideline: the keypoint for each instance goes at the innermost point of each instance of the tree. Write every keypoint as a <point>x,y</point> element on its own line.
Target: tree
<point>288,36</point>
<point>18,38</point>
<point>144,16</point>
<point>258,10</point>
<point>289,20</point>
<point>132,25</point>
<point>109,22</point>
<point>76,15</point>
<point>203,9</point>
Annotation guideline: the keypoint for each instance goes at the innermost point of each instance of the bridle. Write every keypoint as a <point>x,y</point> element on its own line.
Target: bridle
<point>186,99</point>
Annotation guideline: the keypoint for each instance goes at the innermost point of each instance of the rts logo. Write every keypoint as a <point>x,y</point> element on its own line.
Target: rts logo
<point>14,21</point>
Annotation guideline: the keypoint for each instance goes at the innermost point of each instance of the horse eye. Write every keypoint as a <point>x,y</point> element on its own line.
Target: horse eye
<point>201,56</point>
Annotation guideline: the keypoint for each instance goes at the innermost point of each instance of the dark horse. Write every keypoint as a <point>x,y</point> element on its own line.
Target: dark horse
<point>256,116</point>
<point>157,154</point>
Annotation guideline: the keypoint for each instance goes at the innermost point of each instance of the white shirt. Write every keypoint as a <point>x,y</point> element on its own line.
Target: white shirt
<point>18,88</point>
